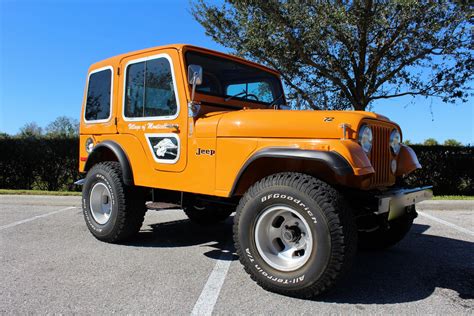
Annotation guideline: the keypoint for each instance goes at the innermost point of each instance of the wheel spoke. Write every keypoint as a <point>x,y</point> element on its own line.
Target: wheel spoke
<point>301,244</point>
<point>287,216</point>
<point>274,233</point>
<point>288,252</point>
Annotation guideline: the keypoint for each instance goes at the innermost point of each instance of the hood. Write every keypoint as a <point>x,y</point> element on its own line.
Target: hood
<point>285,123</point>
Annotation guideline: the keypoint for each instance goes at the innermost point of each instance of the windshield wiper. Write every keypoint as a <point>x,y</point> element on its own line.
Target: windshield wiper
<point>235,95</point>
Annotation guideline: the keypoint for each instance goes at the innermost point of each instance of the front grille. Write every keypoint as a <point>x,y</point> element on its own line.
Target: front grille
<point>380,156</point>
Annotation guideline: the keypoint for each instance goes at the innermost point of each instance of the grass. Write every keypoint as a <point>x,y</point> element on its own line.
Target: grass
<point>39,192</point>
<point>453,197</point>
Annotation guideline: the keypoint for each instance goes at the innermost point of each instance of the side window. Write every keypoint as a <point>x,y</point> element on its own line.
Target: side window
<point>98,96</point>
<point>135,90</point>
<point>149,89</point>
<point>258,91</point>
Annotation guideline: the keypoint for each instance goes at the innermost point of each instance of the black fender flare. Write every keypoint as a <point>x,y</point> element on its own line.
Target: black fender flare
<point>118,151</point>
<point>338,164</point>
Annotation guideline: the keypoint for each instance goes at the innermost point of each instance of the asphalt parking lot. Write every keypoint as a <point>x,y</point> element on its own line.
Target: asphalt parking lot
<point>50,263</point>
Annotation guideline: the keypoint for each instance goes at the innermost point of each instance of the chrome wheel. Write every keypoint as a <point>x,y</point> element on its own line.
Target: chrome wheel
<point>283,238</point>
<point>100,203</point>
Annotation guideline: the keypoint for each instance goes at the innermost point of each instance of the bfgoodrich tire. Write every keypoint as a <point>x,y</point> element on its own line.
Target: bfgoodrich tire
<point>112,210</point>
<point>294,234</point>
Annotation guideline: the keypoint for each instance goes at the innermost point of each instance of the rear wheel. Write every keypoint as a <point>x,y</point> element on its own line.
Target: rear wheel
<point>112,210</point>
<point>294,234</point>
<point>390,235</point>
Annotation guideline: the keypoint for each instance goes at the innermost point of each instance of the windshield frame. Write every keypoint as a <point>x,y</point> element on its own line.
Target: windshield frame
<point>244,63</point>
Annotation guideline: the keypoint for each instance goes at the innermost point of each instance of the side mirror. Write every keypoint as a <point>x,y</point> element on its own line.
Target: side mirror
<point>195,75</point>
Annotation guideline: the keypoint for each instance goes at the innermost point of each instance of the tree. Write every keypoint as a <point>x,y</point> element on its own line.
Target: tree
<point>430,142</point>
<point>63,126</point>
<point>31,129</point>
<point>452,142</point>
<point>343,54</point>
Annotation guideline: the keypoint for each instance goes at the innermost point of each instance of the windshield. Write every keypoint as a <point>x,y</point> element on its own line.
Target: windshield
<point>233,80</point>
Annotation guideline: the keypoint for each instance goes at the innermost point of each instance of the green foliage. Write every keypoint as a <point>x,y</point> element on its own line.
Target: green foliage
<point>449,169</point>
<point>41,163</point>
<point>452,142</point>
<point>430,142</point>
<point>39,192</point>
<point>453,197</point>
<point>343,54</point>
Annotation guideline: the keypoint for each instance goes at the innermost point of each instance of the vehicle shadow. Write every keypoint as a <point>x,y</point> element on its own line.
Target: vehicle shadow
<point>408,272</point>
<point>184,233</point>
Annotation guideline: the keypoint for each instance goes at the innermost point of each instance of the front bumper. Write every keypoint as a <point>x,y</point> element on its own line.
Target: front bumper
<point>395,201</point>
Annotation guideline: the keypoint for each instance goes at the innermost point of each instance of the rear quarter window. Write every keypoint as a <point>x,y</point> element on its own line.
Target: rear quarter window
<point>98,100</point>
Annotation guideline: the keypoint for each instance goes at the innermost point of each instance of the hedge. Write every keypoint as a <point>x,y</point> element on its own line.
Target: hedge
<point>39,163</point>
<point>450,169</point>
<point>52,164</point>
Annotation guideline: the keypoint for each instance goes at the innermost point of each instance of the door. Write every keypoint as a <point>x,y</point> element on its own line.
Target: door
<point>153,110</point>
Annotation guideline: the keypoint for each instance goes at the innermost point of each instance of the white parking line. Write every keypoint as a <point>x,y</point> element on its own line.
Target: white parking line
<point>208,298</point>
<point>35,218</point>
<point>461,229</point>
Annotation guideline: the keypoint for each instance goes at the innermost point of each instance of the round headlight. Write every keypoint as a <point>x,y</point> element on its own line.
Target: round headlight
<point>365,138</point>
<point>395,141</point>
<point>89,145</point>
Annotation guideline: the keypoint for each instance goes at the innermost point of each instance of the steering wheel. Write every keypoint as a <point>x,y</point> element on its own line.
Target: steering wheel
<point>246,96</point>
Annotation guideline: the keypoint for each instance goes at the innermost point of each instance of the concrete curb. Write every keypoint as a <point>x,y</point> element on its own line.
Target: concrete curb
<point>446,205</point>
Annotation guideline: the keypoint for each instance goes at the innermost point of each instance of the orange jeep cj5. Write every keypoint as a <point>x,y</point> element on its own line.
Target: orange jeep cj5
<point>212,133</point>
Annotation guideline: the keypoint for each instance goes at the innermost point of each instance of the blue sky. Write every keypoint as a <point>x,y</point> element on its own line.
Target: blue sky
<point>46,47</point>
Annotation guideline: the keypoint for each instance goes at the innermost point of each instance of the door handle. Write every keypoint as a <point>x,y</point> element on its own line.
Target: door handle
<point>174,127</point>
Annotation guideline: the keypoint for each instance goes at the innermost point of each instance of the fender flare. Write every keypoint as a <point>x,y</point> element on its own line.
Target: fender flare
<point>118,151</point>
<point>333,160</point>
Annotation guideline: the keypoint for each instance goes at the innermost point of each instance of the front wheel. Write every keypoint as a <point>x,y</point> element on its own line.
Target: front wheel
<point>294,234</point>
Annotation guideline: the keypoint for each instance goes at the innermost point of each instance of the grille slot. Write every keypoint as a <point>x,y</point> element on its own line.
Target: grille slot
<point>380,156</point>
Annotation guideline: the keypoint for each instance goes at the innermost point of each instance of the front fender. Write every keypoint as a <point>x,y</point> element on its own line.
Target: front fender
<point>332,160</point>
<point>407,161</point>
<point>354,155</point>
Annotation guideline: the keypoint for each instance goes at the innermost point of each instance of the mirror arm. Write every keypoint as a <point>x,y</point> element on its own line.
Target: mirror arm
<point>193,106</point>
<point>194,87</point>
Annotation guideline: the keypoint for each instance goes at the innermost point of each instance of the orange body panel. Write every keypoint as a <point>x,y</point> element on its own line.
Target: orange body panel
<point>214,147</point>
